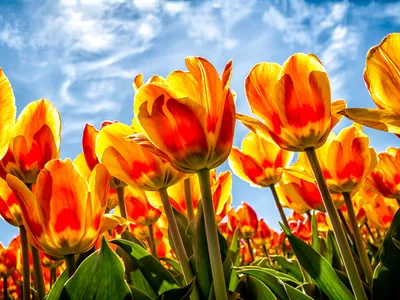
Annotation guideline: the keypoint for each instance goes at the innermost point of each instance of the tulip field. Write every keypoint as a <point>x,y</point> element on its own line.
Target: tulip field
<point>143,214</point>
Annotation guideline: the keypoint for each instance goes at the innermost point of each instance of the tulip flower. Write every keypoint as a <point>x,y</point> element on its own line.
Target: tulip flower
<point>294,102</point>
<point>246,218</point>
<point>8,111</point>
<point>36,141</point>
<point>263,234</point>
<point>196,113</point>
<point>386,176</point>
<point>382,79</point>
<point>10,210</point>
<point>8,261</point>
<point>65,214</point>
<point>260,161</point>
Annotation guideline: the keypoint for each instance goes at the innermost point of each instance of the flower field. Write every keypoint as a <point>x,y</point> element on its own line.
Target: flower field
<point>142,212</point>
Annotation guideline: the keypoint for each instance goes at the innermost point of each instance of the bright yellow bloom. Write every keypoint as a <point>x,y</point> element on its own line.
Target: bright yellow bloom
<point>132,163</point>
<point>294,102</point>
<point>36,141</point>
<point>65,214</point>
<point>382,77</point>
<point>260,161</point>
<point>8,111</point>
<point>189,116</point>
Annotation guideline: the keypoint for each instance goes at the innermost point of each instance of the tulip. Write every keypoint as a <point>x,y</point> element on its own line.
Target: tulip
<point>36,141</point>
<point>65,215</point>
<point>8,261</point>
<point>260,161</point>
<point>382,79</point>
<point>10,210</point>
<point>8,111</point>
<point>386,176</point>
<point>263,236</point>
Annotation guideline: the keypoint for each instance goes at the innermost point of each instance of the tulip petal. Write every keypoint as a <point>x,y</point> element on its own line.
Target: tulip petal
<point>89,144</point>
<point>10,209</point>
<point>82,167</point>
<point>111,221</point>
<point>8,111</point>
<point>138,81</point>
<point>244,166</point>
<point>379,119</point>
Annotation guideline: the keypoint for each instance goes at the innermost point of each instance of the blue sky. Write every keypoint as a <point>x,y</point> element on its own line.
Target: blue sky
<point>83,55</point>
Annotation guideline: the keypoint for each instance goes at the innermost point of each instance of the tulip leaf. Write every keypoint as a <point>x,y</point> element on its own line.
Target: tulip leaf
<point>159,278</point>
<point>295,294</point>
<point>183,224</point>
<point>100,276</point>
<point>139,294</point>
<point>333,247</point>
<point>318,268</point>
<point>173,263</point>
<point>56,290</point>
<point>140,282</point>
<point>288,266</point>
<point>258,290</point>
<point>386,276</point>
<point>315,239</point>
<point>234,249</point>
<point>182,293</point>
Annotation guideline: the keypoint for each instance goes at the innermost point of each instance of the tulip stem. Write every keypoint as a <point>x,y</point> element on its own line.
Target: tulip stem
<point>71,265</point>
<point>151,241</point>
<point>5,288</point>
<point>26,275</point>
<point>346,226</point>
<point>344,248</point>
<point>38,271</point>
<point>188,199</point>
<point>369,230</point>
<point>357,238</point>
<point>279,206</point>
<point>53,276</point>
<point>121,201</point>
<point>177,241</point>
<point>250,249</point>
<point>265,250</point>
<point>212,235</point>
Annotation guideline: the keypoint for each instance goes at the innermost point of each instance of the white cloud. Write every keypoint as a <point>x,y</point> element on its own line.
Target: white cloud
<point>11,36</point>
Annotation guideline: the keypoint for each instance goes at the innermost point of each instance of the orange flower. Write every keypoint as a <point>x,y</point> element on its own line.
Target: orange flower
<point>10,210</point>
<point>65,214</point>
<point>138,208</point>
<point>264,234</point>
<point>8,111</point>
<point>189,116</point>
<point>8,260</point>
<point>246,218</point>
<point>386,176</point>
<point>301,193</point>
<point>382,78</point>
<point>294,102</point>
<point>36,141</point>
<point>131,163</point>
<point>346,160</point>
<point>260,161</point>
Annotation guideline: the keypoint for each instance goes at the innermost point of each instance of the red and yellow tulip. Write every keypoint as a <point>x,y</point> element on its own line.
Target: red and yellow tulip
<point>293,101</point>
<point>36,141</point>
<point>65,214</point>
<point>189,116</point>
<point>10,210</point>
<point>8,261</point>
<point>8,111</point>
<point>260,161</point>
<point>245,218</point>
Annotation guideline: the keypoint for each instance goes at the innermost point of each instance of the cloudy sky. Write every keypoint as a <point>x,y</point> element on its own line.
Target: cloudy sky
<point>83,55</point>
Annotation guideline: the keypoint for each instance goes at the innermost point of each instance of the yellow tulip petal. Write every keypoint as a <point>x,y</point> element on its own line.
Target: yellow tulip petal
<point>8,111</point>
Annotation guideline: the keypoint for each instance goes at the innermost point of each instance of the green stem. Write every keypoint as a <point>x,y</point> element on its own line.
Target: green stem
<point>369,230</point>
<point>346,226</point>
<point>308,213</point>
<point>188,199</point>
<point>345,251</point>
<point>53,276</point>
<point>279,205</point>
<point>5,288</point>
<point>212,235</point>
<point>151,241</point>
<point>71,265</point>
<point>121,202</point>
<point>267,255</point>
<point>38,271</point>
<point>177,240</point>
<point>250,249</point>
<point>26,275</point>
<point>357,238</point>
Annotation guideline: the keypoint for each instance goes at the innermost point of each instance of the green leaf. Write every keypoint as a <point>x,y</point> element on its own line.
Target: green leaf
<point>336,257</point>
<point>100,276</point>
<point>55,292</point>
<point>396,243</point>
<point>140,282</point>
<point>295,294</point>
<point>282,276</point>
<point>289,266</point>
<point>315,239</point>
<point>258,290</point>
<point>160,279</point>
<point>326,249</point>
<point>139,294</point>
<point>183,224</point>
<point>173,263</point>
<point>385,284</point>
<point>182,293</point>
<point>234,281</point>
<point>318,268</point>
<point>234,250</point>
